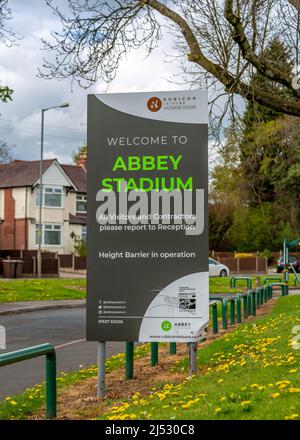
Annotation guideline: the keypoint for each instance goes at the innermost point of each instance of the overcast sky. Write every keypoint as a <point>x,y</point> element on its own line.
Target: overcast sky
<point>65,128</point>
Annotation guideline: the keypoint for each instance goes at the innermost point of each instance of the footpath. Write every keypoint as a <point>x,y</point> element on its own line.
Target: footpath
<point>10,308</point>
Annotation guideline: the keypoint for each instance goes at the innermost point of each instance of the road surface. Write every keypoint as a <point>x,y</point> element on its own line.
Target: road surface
<point>65,328</point>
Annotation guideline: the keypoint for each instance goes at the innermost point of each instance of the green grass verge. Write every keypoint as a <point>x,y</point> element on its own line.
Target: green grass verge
<point>250,373</point>
<point>60,288</point>
<point>33,399</point>
<point>39,290</point>
<point>221,284</point>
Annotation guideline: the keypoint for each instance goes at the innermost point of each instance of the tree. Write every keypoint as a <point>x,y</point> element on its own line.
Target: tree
<point>258,174</point>
<point>224,41</point>
<point>5,153</point>
<point>260,144</point>
<point>8,37</point>
<point>77,154</point>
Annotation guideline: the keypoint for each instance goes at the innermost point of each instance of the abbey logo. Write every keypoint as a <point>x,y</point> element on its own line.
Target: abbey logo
<point>154,104</point>
<point>166,326</point>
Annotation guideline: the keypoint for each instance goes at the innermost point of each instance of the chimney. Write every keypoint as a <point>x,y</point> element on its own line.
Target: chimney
<point>82,161</point>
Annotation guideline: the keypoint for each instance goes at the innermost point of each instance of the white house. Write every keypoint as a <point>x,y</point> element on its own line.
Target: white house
<point>63,209</point>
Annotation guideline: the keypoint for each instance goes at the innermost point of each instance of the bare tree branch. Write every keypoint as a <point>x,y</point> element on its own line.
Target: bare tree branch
<point>295,3</point>
<point>224,41</point>
<point>266,68</point>
<point>9,38</point>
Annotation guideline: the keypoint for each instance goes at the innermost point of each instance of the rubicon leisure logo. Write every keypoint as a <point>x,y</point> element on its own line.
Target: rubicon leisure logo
<point>154,104</point>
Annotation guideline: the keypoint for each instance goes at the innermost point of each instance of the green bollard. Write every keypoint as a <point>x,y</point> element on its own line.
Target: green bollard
<point>245,306</point>
<point>258,297</point>
<point>232,312</point>
<point>249,302</point>
<point>224,314</point>
<point>254,298</point>
<point>215,318</point>
<point>173,348</point>
<point>51,385</point>
<point>271,292</point>
<point>154,354</point>
<point>239,308</point>
<point>129,360</point>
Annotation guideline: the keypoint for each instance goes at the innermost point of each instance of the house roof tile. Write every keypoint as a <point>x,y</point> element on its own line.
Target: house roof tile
<point>21,173</point>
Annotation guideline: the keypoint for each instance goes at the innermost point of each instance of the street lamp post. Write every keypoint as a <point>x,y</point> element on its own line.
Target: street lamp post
<point>40,229</point>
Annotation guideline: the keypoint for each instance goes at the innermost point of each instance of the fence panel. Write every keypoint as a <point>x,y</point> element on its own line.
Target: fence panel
<point>28,266</point>
<point>29,254</point>
<point>247,264</point>
<point>65,260</point>
<point>230,262</point>
<point>50,266</point>
<point>13,254</point>
<point>262,265</point>
<point>49,255</point>
<point>80,263</point>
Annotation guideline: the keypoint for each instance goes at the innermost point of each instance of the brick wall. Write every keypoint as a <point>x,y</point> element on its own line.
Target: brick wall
<point>20,233</point>
<point>13,232</point>
<point>8,226</point>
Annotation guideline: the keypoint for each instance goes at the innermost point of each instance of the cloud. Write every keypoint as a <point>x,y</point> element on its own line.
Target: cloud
<point>65,129</point>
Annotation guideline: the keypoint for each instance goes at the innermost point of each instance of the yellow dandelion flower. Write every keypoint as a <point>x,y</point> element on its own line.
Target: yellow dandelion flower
<point>245,402</point>
<point>292,417</point>
<point>275,395</point>
<point>218,410</point>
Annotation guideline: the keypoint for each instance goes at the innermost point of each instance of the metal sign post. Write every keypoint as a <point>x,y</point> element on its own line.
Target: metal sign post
<point>192,349</point>
<point>101,386</point>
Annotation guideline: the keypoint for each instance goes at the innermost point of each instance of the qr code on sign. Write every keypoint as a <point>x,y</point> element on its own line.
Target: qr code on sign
<point>187,301</point>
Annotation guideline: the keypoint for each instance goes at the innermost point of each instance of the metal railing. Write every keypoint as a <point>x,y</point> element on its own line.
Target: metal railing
<point>47,350</point>
<point>234,279</point>
<point>236,307</point>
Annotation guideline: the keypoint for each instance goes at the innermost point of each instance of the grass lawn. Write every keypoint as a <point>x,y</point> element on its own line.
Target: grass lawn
<point>250,373</point>
<point>64,288</point>
<point>45,289</point>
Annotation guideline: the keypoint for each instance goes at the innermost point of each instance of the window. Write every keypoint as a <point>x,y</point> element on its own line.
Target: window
<point>84,233</point>
<point>51,234</point>
<point>81,203</point>
<point>52,197</point>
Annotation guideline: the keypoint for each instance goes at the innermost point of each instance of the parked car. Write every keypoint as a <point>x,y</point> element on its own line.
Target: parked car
<point>293,260</point>
<point>217,269</point>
